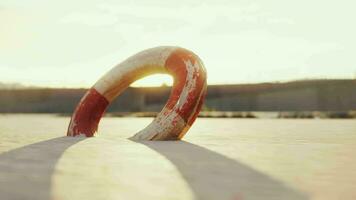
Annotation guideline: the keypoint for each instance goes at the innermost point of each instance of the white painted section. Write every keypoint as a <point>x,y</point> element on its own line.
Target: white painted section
<point>153,58</point>
<point>162,126</point>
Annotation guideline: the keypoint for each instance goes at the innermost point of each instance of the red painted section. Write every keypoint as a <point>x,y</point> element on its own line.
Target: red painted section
<point>176,67</point>
<point>88,113</point>
<point>198,108</point>
<point>175,64</point>
<point>194,99</point>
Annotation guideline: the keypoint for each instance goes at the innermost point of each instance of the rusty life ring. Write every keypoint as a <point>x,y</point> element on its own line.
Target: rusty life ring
<point>179,113</point>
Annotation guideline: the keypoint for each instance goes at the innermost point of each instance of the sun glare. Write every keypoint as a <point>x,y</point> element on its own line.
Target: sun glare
<point>154,81</point>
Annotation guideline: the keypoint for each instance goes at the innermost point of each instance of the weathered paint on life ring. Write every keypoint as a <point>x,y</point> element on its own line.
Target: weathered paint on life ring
<point>179,113</point>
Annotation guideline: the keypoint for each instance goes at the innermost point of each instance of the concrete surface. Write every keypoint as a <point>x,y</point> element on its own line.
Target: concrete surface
<point>218,159</point>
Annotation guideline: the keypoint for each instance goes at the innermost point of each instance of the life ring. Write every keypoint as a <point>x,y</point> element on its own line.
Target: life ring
<point>179,113</point>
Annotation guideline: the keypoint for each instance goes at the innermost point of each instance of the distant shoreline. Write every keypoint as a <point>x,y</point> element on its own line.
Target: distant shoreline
<point>312,95</point>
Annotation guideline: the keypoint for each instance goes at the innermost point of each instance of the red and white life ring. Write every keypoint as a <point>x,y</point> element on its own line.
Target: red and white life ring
<point>179,113</point>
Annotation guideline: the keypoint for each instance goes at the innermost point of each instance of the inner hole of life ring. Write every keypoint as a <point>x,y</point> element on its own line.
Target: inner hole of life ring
<point>147,96</point>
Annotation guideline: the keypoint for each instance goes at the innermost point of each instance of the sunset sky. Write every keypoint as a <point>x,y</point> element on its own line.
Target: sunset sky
<point>73,43</point>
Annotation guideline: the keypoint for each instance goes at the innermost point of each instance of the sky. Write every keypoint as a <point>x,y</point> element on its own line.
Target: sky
<point>73,43</point>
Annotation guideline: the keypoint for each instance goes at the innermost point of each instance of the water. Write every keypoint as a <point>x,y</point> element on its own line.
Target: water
<point>218,159</point>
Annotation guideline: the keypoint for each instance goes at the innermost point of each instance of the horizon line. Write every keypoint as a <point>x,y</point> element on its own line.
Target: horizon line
<point>19,86</point>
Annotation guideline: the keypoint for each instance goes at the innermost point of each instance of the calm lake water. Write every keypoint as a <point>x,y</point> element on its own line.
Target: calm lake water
<point>218,159</point>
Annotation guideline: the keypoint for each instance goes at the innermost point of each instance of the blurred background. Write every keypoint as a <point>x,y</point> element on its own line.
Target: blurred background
<point>287,59</point>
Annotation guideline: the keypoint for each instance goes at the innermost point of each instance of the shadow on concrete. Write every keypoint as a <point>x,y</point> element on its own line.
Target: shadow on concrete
<point>26,172</point>
<point>211,175</point>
